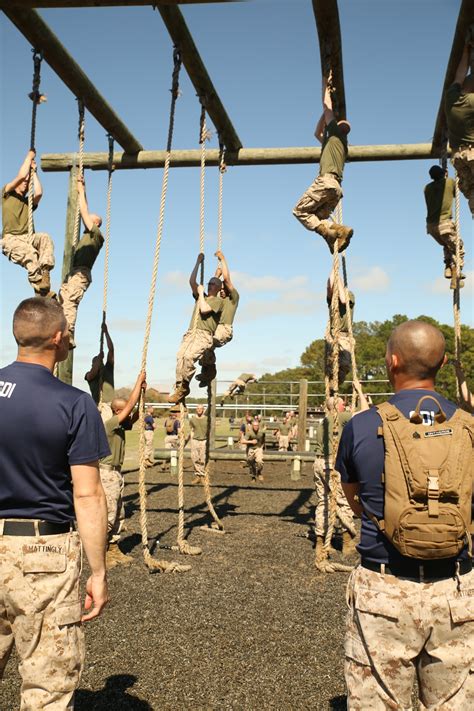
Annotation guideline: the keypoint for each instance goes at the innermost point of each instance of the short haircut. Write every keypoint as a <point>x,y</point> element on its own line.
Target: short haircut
<point>421,348</point>
<point>437,172</point>
<point>36,321</point>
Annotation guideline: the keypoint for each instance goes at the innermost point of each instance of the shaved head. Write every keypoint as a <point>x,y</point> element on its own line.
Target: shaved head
<point>419,347</point>
<point>118,404</point>
<point>36,321</point>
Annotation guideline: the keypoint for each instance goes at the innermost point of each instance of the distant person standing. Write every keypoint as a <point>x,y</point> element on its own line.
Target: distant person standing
<point>199,424</point>
<point>51,438</point>
<point>254,440</point>
<point>149,434</point>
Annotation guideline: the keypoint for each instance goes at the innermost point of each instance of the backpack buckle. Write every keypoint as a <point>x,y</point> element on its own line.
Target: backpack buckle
<point>433,493</point>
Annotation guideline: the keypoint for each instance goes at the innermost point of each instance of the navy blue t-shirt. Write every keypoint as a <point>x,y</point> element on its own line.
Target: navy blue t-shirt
<point>45,427</point>
<point>360,459</point>
<point>149,423</point>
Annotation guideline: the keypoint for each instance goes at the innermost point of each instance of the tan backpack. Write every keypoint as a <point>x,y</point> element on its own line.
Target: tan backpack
<point>428,480</point>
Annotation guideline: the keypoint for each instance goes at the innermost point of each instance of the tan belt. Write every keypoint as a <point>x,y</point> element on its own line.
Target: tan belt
<point>110,468</point>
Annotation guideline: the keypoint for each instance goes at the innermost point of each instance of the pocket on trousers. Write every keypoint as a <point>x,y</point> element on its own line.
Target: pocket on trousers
<point>462,609</point>
<point>376,602</point>
<point>354,649</point>
<point>39,561</point>
<point>68,613</point>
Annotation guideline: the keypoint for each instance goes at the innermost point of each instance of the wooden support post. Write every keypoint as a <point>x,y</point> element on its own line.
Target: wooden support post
<point>302,414</point>
<point>326,14</point>
<point>103,3</point>
<point>296,469</point>
<point>65,368</point>
<point>41,37</point>
<point>298,155</point>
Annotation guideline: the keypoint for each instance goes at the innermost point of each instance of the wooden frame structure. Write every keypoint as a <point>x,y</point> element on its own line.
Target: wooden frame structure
<point>32,26</point>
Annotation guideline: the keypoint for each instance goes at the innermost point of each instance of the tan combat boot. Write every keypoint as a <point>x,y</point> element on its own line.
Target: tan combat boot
<point>348,544</point>
<point>325,230</point>
<point>116,557</point>
<point>182,389</point>
<point>343,236</point>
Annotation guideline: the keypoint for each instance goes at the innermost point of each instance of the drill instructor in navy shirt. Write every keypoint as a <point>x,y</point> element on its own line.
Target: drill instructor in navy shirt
<point>51,438</point>
<point>405,615</point>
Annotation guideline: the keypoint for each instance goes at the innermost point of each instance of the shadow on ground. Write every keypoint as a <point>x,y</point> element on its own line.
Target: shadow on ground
<point>114,696</point>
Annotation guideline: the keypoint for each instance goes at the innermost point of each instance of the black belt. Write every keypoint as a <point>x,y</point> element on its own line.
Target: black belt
<point>422,573</point>
<point>27,528</point>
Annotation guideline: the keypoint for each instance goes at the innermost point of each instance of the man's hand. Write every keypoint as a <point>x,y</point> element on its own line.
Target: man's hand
<point>31,154</point>
<point>80,184</point>
<point>97,597</point>
<point>142,378</point>
<point>34,166</point>
<point>200,258</point>
<point>219,254</point>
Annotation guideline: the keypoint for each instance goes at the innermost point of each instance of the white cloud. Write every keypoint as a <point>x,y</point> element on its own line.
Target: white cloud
<point>126,324</point>
<point>177,278</point>
<point>247,282</point>
<point>371,279</point>
<point>299,302</point>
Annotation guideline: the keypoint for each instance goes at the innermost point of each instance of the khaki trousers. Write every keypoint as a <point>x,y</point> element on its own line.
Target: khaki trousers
<point>223,335</point>
<point>192,348</point>
<point>33,254</point>
<point>444,234</point>
<point>71,293</point>
<point>397,628</point>
<point>319,200</point>
<point>149,453</point>
<point>255,460</point>
<point>40,612</point>
<point>113,484</point>
<point>463,161</point>
<point>283,442</point>
<point>171,441</point>
<point>322,474</point>
<point>198,455</point>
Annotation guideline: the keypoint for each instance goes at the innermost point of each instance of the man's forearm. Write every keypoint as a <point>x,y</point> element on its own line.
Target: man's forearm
<point>91,516</point>
<point>204,307</point>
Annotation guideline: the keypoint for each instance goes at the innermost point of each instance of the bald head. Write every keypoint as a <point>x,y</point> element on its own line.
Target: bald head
<point>419,349</point>
<point>36,321</point>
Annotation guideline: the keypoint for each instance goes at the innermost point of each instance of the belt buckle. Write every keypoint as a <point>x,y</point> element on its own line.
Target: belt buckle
<point>421,573</point>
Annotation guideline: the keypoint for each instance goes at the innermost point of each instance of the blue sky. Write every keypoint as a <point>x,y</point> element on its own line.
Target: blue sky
<point>263,58</point>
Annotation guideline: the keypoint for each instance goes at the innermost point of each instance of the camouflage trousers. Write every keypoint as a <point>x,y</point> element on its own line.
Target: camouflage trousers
<point>322,473</point>
<point>198,455</point>
<point>444,234</point>
<point>237,388</point>
<point>397,628</point>
<point>344,359</point>
<point>193,346</point>
<point>40,612</point>
<point>222,335</point>
<point>319,200</point>
<point>149,453</point>
<point>463,161</point>
<point>255,460</point>
<point>171,441</point>
<point>283,443</point>
<point>71,293</point>
<point>33,254</point>
<point>113,484</point>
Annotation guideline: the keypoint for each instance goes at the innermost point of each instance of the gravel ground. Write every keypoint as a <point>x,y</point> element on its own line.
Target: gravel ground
<point>251,626</point>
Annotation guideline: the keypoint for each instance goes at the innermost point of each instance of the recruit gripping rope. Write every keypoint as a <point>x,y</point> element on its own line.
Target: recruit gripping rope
<point>222,170</point>
<point>37,98</point>
<point>77,217</point>
<point>152,564</point>
<point>107,252</point>
<point>457,290</point>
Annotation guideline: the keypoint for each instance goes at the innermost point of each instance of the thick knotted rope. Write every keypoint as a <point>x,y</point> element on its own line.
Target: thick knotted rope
<point>457,290</point>
<point>37,98</point>
<point>152,564</point>
<point>77,216</point>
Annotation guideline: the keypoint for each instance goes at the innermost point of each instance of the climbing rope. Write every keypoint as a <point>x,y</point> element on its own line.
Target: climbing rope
<point>156,565</point>
<point>77,216</point>
<point>37,98</point>
<point>457,289</point>
<point>222,170</point>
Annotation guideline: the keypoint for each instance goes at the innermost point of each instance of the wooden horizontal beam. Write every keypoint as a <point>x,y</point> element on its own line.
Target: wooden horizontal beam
<point>41,37</point>
<point>182,39</point>
<point>240,455</point>
<point>58,162</point>
<point>102,3</point>
<point>326,14</point>
<point>465,18</point>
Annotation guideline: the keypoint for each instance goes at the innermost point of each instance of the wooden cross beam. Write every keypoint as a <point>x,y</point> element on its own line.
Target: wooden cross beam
<point>182,39</point>
<point>465,18</point>
<point>59,162</point>
<point>326,14</point>
<point>41,37</point>
<point>103,3</point>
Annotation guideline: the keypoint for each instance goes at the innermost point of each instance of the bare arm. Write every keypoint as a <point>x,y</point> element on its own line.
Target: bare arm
<point>37,187</point>
<point>204,307</point>
<point>134,396</point>
<point>94,371</point>
<point>351,491</point>
<point>110,345</point>
<point>225,270</point>
<point>91,515</point>
<point>193,283</point>
<point>467,396</point>
<point>22,173</point>
<point>463,66</point>
<point>363,402</point>
<point>83,206</point>
<point>328,112</point>
<point>248,441</point>
<point>319,130</point>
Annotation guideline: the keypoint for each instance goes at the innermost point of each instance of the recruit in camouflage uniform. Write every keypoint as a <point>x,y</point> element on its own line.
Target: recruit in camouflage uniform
<point>254,439</point>
<point>198,425</point>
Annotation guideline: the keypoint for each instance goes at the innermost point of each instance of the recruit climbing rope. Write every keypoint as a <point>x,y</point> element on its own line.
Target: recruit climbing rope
<point>156,565</point>
<point>81,129</point>
<point>37,98</point>
<point>110,169</point>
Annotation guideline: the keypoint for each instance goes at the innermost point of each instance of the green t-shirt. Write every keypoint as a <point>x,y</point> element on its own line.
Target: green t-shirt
<point>14,212</point>
<point>106,375</point>
<point>334,152</point>
<point>230,307</point>
<point>208,322</point>
<point>343,313</point>
<point>116,435</point>
<point>199,427</point>
<point>459,109</point>
<point>284,428</point>
<point>324,433</point>
<point>88,248</point>
<point>259,436</point>
<point>439,196</point>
